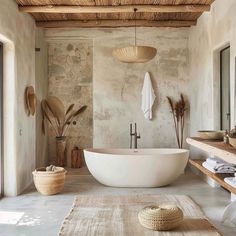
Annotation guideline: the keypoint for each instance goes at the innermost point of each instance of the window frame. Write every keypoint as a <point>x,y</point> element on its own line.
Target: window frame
<point>1,122</point>
<point>221,96</point>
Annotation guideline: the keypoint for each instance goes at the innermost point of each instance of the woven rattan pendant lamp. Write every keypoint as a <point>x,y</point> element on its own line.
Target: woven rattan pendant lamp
<point>135,54</point>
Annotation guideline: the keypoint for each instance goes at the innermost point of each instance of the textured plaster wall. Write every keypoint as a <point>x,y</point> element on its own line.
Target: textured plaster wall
<point>117,86</point>
<point>41,88</point>
<point>17,32</point>
<point>215,30</point>
<point>70,79</point>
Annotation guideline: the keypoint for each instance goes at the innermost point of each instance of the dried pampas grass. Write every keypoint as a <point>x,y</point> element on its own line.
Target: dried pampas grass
<point>178,110</point>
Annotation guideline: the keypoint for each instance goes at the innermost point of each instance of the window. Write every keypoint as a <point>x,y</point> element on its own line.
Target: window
<point>225,88</point>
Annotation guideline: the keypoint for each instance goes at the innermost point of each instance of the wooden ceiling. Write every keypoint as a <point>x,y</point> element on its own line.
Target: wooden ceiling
<point>114,13</point>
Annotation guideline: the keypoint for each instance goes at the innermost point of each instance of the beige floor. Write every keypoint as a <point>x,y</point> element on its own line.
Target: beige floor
<point>36,215</point>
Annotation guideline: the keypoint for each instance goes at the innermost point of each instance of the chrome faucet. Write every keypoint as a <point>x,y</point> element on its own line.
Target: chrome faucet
<point>134,136</point>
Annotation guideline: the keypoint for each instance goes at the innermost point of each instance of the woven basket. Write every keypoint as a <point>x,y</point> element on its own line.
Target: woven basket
<point>49,182</point>
<point>160,218</point>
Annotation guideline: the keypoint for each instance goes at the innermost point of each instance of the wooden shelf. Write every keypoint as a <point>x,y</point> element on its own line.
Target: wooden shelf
<point>219,178</point>
<point>216,148</point>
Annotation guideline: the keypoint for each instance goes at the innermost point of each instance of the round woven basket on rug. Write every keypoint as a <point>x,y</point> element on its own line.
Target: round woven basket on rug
<point>160,218</point>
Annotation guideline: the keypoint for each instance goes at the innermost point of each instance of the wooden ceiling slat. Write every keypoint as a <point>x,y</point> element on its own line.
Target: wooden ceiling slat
<point>117,16</point>
<point>119,11</point>
<point>112,2</point>
<point>113,24</point>
<point>59,17</point>
<point>55,2</point>
<point>114,9</point>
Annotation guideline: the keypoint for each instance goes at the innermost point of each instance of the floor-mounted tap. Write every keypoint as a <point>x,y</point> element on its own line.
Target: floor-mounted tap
<point>134,136</point>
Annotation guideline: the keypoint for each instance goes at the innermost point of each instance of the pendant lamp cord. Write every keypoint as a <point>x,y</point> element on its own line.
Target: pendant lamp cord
<point>135,27</point>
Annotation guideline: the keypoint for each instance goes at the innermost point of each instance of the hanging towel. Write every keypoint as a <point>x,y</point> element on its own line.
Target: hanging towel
<point>148,97</point>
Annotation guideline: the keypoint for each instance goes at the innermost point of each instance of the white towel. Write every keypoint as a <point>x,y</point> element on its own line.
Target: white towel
<point>231,181</point>
<point>215,160</point>
<point>208,167</point>
<point>221,165</point>
<point>221,170</point>
<point>148,97</point>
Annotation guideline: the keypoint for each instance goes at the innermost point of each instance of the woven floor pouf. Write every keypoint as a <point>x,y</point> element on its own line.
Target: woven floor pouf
<point>160,218</point>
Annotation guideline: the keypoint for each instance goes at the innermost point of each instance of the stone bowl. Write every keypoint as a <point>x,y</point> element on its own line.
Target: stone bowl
<point>211,134</point>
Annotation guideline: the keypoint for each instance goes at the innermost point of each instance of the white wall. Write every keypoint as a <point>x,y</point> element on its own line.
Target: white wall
<point>214,30</point>
<point>17,32</point>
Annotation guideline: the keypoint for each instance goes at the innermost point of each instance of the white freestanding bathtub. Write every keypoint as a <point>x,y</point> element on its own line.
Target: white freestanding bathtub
<point>136,167</point>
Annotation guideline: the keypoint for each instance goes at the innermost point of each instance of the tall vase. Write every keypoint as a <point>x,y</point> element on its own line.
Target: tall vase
<point>61,151</point>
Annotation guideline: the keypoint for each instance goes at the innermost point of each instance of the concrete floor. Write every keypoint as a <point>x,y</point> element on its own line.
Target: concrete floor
<point>34,215</point>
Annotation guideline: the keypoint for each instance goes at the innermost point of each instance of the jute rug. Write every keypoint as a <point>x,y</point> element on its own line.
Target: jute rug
<point>118,216</point>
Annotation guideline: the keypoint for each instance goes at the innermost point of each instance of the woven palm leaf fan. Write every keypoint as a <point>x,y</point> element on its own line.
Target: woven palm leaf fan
<point>31,100</point>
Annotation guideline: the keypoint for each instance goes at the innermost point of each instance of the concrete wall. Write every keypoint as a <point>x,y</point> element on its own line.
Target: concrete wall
<point>17,32</point>
<point>41,88</point>
<point>117,86</point>
<point>70,79</point>
<point>214,31</point>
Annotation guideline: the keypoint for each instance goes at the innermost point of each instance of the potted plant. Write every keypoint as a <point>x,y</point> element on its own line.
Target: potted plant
<point>60,120</point>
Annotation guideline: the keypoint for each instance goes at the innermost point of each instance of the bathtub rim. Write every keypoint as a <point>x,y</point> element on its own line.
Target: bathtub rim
<point>105,151</point>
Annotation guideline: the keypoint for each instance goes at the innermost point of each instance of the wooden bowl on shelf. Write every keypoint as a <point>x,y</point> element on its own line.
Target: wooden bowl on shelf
<point>211,134</point>
<point>232,142</point>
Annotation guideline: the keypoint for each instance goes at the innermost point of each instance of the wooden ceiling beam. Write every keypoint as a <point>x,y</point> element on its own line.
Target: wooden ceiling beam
<point>115,9</point>
<point>113,23</point>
